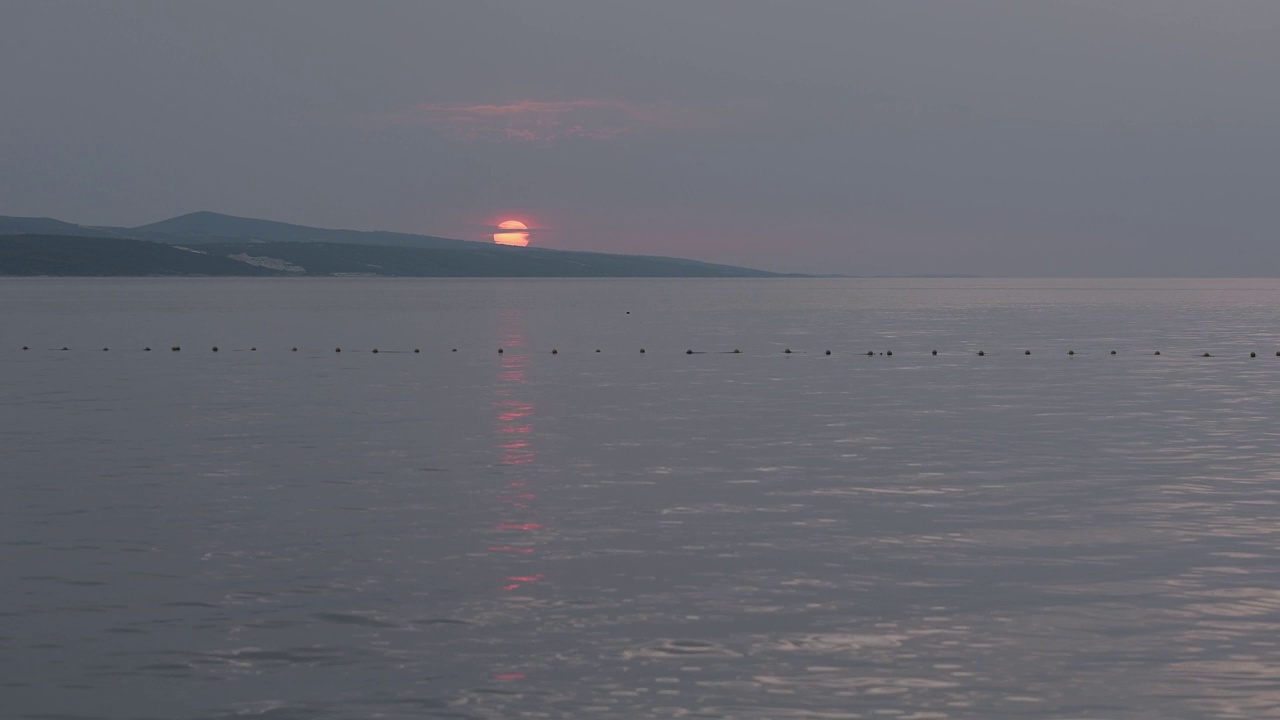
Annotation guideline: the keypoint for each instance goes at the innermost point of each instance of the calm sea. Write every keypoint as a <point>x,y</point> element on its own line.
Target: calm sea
<point>264,533</point>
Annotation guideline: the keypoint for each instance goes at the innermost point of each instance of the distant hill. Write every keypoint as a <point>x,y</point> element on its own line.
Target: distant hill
<point>105,256</point>
<point>207,243</point>
<point>98,256</point>
<point>205,227</point>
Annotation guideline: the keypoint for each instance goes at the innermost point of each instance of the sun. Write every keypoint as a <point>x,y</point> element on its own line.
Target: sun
<point>513,232</point>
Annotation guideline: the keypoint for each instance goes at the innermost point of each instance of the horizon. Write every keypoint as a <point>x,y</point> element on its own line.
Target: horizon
<point>990,138</point>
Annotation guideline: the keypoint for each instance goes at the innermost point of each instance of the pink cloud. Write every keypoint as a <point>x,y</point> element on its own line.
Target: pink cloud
<point>538,120</point>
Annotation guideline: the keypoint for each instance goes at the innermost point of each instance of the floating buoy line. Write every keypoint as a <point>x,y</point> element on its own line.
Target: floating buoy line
<point>688,351</point>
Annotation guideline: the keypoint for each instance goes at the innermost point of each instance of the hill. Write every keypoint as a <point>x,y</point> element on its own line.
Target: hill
<point>98,256</point>
<point>106,256</point>
<point>202,227</point>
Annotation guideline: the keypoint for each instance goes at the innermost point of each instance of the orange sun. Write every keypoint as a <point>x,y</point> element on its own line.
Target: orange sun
<point>515,233</point>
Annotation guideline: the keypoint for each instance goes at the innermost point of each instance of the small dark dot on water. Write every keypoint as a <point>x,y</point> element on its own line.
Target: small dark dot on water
<point>253,349</point>
<point>1026,352</point>
<point>828,352</point>
<point>337,349</point>
<point>597,349</point>
<point>554,351</point>
<point>736,351</point>
<point>1071,352</point>
<point>294,350</point>
<point>64,347</point>
<point>787,351</point>
<point>889,353</point>
<point>690,352</point>
<point>215,348</point>
<point>628,312</point>
<point>176,348</point>
<point>417,350</point>
<point>1206,355</point>
<point>455,350</point>
<point>1113,352</point>
<point>24,347</point>
<point>499,351</point>
<point>982,352</point>
<point>870,353</point>
<point>1253,354</point>
<point>935,352</point>
<point>375,351</point>
<point>641,351</point>
<point>106,349</point>
<point>146,349</point>
<point>1157,352</point>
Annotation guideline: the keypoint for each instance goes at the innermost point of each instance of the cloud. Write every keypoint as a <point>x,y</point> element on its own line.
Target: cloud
<point>539,120</point>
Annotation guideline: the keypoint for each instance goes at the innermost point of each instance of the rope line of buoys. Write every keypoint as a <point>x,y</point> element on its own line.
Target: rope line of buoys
<point>687,351</point>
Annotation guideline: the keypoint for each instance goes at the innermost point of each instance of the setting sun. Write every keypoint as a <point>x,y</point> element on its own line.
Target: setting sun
<point>512,232</point>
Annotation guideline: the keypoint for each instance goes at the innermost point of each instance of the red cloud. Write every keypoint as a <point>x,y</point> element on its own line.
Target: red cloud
<point>536,120</point>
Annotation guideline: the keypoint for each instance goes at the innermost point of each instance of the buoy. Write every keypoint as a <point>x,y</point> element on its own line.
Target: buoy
<point>146,349</point>
<point>787,351</point>
<point>870,353</point>
<point>1157,352</point>
<point>981,353</point>
<point>105,349</point>
<point>176,348</point>
<point>215,348</point>
<point>1113,352</point>
<point>1253,354</point>
<point>554,351</point>
<point>690,352</point>
<point>828,352</point>
<point>65,348</point>
<point>597,349</point>
<point>338,349</point>
<point>935,352</point>
<point>24,347</point>
<point>375,351</point>
<point>1206,355</point>
<point>628,312</point>
<point>1026,352</point>
<point>253,349</point>
<point>499,351</point>
<point>1071,352</point>
<point>736,351</point>
<point>455,349</point>
<point>294,350</point>
<point>641,349</point>
<point>889,353</point>
<point>416,351</point>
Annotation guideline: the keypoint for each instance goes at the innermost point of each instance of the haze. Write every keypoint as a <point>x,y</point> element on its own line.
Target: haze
<point>994,138</point>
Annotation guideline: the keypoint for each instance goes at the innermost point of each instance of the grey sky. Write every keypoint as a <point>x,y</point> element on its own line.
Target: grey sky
<point>1063,138</point>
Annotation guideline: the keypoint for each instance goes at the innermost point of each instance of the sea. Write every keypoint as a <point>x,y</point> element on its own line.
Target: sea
<point>629,499</point>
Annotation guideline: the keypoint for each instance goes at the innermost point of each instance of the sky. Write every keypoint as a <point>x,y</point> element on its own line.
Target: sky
<point>869,137</point>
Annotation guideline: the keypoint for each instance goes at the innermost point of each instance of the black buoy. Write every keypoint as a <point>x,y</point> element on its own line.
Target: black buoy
<point>828,352</point>
<point>337,349</point>
<point>641,349</point>
<point>889,353</point>
<point>1113,352</point>
<point>176,348</point>
<point>1157,352</point>
<point>982,352</point>
<point>1253,354</point>
<point>555,351</point>
<point>870,353</point>
<point>628,312</point>
<point>253,349</point>
<point>1206,355</point>
<point>455,349</point>
<point>1026,352</point>
<point>24,347</point>
<point>105,349</point>
<point>690,352</point>
<point>215,348</point>
<point>597,349</point>
<point>1071,352</point>
<point>375,351</point>
<point>416,351</point>
<point>787,351</point>
<point>736,351</point>
<point>294,350</point>
<point>935,352</point>
<point>499,351</point>
<point>146,349</point>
